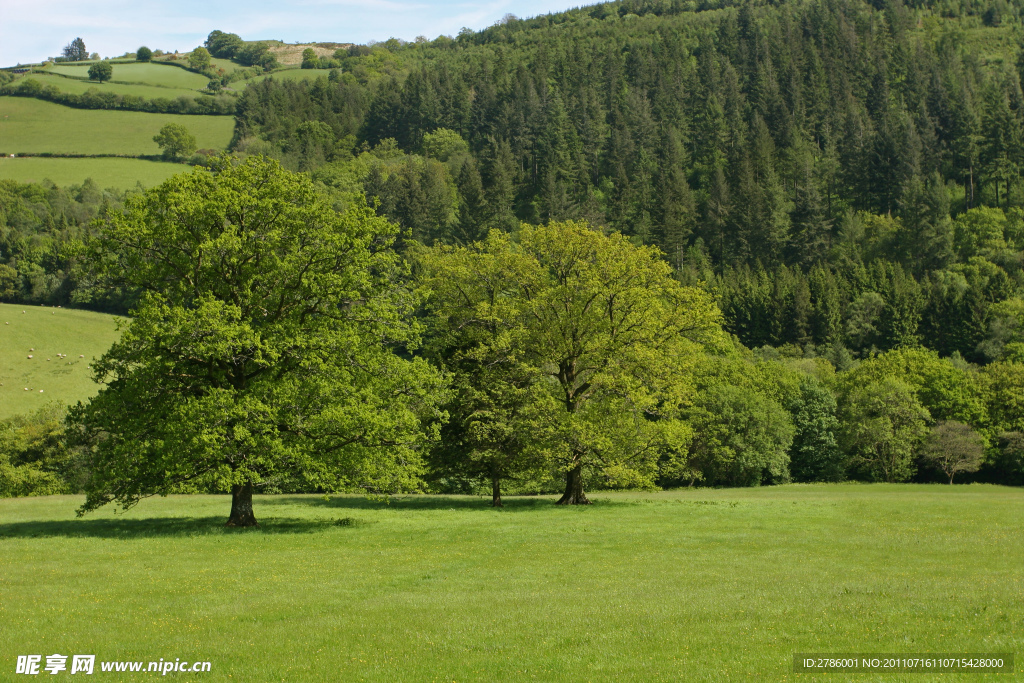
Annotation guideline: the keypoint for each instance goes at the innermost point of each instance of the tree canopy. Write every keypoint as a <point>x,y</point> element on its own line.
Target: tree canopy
<point>175,140</point>
<point>606,327</point>
<point>101,71</point>
<point>262,349</point>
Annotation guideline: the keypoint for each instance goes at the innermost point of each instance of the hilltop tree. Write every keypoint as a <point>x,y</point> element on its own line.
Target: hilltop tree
<point>101,71</point>
<point>175,141</point>
<point>75,51</point>
<point>261,349</point>
<point>143,54</point>
<point>199,59</point>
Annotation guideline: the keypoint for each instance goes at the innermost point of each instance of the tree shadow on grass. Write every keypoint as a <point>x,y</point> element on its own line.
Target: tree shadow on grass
<point>417,502</point>
<point>162,527</point>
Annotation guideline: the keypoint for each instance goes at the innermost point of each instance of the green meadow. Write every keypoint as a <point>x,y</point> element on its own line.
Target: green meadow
<point>225,64</point>
<point>691,585</point>
<point>291,75</point>
<point>118,173</point>
<point>77,87</point>
<point>31,126</point>
<point>150,73</point>
<point>43,333</point>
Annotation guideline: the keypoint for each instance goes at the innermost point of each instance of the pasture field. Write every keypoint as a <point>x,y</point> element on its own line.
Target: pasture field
<point>291,75</point>
<point>692,585</point>
<point>121,174</point>
<point>77,87</point>
<point>32,126</point>
<point>50,331</point>
<point>149,73</point>
<point>226,64</point>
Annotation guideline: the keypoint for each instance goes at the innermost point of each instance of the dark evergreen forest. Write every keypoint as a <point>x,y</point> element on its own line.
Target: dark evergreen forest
<point>838,172</point>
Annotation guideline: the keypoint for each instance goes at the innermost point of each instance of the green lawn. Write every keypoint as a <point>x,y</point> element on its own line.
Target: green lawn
<point>699,585</point>
<point>106,171</point>
<point>49,331</point>
<point>150,73</point>
<point>77,87</point>
<point>32,126</point>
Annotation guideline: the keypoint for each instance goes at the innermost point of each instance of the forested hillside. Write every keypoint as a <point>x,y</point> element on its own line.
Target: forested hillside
<point>843,177</point>
<point>839,171</point>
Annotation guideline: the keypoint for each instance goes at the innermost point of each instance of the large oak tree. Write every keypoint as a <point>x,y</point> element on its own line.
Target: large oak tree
<point>263,344</point>
<point>600,324</point>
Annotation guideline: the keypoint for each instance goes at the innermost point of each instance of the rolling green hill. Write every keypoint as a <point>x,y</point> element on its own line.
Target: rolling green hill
<point>121,174</point>
<point>77,86</point>
<point>43,333</point>
<point>30,126</point>
<point>149,73</point>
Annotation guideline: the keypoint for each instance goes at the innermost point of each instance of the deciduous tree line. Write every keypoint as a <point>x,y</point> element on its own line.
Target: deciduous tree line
<point>279,344</point>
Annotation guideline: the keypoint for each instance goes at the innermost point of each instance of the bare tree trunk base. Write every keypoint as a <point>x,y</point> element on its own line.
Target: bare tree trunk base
<point>496,492</point>
<point>574,488</point>
<point>241,507</point>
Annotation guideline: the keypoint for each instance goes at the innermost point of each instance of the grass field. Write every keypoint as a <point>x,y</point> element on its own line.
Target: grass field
<point>122,174</point>
<point>77,87</point>
<point>32,126</point>
<point>49,331</point>
<point>226,64</point>
<point>150,73</point>
<point>698,585</point>
<point>291,75</point>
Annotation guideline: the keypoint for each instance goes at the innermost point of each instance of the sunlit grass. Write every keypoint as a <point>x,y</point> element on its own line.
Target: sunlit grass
<point>151,73</point>
<point>121,174</point>
<point>43,332</point>
<point>691,585</point>
<point>77,87</point>
<point>32,126</point>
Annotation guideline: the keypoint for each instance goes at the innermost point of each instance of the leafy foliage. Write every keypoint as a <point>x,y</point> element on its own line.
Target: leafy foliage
<point>176,141</point>
<point>262,347</point>
<point>101,71</point>
<point>953,447</point>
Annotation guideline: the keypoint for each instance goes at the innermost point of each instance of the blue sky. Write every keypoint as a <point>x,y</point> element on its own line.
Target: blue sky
<point>31,32</point>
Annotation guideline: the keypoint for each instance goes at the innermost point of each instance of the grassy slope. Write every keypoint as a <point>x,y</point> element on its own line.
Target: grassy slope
<point>49,331</point>
<point>148,73</point>
<point>701,585</point>
<point>291,75</point>
<point>107,172</point>
<point>77,87</point>
<point>33,126</point>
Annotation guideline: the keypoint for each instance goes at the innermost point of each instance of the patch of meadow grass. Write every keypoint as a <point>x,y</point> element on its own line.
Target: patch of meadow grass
<point>32,126</point>
<point>121,174</point>
<point>48,377</point>
<point>149,73</point>
<point>695,585</point>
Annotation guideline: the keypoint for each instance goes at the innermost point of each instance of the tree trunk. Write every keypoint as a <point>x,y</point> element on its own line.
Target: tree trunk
<point>574,488</point>
<point>241,506</point>
<point>496,492</point>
